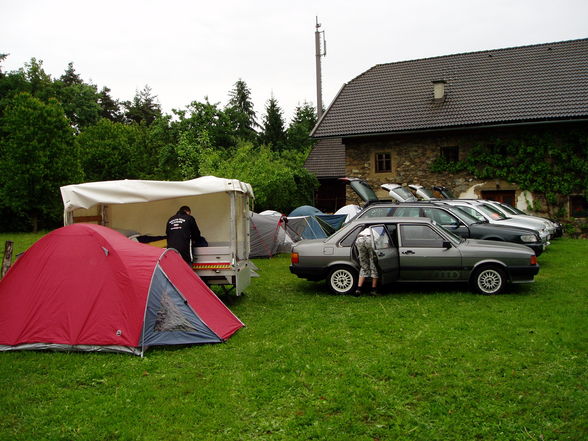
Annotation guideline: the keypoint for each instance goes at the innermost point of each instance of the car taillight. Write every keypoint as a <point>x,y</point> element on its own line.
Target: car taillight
<point>533,260</point>
<point>294,258</point>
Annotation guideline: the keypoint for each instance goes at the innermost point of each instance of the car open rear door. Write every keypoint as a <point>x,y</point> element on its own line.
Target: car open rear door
<point>386,252</point>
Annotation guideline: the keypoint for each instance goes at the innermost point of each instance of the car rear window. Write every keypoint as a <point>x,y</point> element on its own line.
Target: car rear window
<point>407,212</point>
<point>349,240</point>
<point>376,212</point>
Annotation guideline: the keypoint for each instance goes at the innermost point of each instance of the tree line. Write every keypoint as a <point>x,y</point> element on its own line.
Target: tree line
<point>60,131</point>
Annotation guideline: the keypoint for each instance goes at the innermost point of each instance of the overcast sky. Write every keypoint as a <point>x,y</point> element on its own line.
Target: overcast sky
<point>187,50</point>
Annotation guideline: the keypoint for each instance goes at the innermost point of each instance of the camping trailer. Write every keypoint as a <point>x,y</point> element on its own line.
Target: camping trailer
<point>141,208</point>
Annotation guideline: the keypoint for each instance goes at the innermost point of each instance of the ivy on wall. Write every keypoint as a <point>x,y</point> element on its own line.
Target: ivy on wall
<point>552,166</point>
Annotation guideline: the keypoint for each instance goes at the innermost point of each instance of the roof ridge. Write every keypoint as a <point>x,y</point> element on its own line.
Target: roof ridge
<point>473,52</point>
<point>495,86</point>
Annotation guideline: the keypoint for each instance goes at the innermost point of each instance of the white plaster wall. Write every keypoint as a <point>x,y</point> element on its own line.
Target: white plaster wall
<point>470,193</point>
<point>524,199</point>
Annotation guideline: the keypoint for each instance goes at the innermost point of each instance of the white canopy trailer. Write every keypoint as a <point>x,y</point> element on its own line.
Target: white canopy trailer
<point>220,206</point>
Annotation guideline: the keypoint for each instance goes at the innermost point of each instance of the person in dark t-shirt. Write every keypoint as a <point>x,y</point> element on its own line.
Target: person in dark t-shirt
<point>181,230</point>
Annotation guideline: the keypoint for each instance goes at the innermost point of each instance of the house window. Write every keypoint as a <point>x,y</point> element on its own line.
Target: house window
<point>450,154</point>
<point>578,206</point>
<point>383,162</point>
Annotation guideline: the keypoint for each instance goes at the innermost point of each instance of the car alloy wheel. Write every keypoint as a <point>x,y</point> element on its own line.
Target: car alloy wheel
<point>489,280</point>
<point>342,280</point>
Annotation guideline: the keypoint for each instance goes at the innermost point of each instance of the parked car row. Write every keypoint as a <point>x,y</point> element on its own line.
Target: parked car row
<point>426,235</point>
<point>487,209</point>
<point>458,221</point>
<point>484,211</point>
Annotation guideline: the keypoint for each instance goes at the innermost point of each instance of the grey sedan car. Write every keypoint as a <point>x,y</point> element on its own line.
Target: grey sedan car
<point>414,250</point>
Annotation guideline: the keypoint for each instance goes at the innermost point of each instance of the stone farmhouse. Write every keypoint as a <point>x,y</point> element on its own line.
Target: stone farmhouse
<point>389,124</point>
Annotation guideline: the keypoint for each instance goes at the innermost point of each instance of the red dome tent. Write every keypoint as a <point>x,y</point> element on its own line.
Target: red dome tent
<point>87,287</point>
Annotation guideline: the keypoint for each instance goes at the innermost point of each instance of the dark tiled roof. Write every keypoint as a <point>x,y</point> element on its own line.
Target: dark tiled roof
<point>522,84</point>
<point>327,159</point>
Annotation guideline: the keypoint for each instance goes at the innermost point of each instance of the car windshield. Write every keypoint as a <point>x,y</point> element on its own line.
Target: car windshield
<point>464,216</point>
<point>492,212</point>
<point>454,238</point>
<point>512,210</point>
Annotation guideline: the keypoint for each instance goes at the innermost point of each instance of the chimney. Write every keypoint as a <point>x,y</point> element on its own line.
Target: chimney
<point>439,90</point>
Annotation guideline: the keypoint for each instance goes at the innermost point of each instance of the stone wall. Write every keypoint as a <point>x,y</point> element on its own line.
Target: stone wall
<point>412,156</point>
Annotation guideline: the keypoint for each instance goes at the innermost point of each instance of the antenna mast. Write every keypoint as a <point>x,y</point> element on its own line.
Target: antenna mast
<point>319,53</point>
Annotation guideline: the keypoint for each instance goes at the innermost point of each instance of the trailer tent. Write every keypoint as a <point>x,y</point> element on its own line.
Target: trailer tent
<point>89,288</point>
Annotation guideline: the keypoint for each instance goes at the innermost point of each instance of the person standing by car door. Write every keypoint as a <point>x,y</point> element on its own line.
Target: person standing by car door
<point>367,260</point>
<point>182,230</point>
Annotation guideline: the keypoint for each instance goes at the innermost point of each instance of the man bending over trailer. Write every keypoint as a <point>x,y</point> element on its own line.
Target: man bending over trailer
<point>182,228</point>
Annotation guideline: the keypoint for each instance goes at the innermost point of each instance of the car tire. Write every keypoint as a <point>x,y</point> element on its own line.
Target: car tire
<point>342,280</point>
<point>489,280</point>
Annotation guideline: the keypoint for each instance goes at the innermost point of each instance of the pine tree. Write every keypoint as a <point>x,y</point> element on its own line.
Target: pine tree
<point>240,110</point>
<point>273,133</point>
<point>109,107</point>
<point>70,76</point>
<point>298,133</point>
<point>145,107</point>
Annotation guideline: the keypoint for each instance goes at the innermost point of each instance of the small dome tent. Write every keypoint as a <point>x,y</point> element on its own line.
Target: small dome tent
<point>89,288</point>
<point>268,234</point>
<point>307,222</point>
<point>350,211</point>
<point>305,210</point>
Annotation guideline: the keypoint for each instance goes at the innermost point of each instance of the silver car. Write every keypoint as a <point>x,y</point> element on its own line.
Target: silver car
<point>482,210</point>
<point>413,250</point>
<point>515,213</point>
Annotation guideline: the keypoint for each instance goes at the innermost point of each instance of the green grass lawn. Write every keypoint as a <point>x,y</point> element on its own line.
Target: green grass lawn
<point>416,363</point>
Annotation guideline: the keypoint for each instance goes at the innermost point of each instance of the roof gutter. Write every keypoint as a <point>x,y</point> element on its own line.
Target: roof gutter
<point>447,129</point>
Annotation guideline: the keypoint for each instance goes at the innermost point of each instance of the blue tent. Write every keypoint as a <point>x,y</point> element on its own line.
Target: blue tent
<point>305,210</point>
<point>307,222</point>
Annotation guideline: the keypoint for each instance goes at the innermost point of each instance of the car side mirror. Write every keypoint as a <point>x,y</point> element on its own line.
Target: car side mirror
<point>446,244</point>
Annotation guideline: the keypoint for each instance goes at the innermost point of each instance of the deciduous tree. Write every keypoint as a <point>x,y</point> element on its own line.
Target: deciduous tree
<point>37,157</point>
<point>110,151</point>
